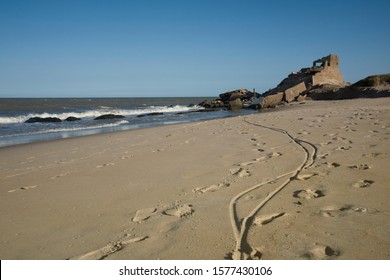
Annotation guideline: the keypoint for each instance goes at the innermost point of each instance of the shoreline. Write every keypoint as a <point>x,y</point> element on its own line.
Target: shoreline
<point>64,130</point>
<point>181,191</point>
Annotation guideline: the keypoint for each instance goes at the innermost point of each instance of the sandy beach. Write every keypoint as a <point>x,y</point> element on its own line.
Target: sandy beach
<point>309,181</point>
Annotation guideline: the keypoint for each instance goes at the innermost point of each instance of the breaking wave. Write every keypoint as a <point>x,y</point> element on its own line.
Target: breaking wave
<point>95,113</point>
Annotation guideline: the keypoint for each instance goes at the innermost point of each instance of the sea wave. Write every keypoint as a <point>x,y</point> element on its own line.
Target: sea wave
<point>99,112</point>
<point>69,129</point>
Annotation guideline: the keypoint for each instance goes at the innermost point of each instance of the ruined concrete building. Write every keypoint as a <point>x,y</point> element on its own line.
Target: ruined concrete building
<point>324,71</point>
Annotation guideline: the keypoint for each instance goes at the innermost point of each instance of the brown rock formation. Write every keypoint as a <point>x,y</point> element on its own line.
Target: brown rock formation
<point>271,101</point>
<point>370,87</point>
<point>324,71</point>
<point>292,93</point>
<point>243,94</point>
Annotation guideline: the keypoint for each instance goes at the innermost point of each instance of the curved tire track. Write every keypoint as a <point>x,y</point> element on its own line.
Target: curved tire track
<point>243,250</point>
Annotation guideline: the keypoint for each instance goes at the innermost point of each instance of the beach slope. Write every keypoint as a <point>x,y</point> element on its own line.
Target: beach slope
<point>310,181</point>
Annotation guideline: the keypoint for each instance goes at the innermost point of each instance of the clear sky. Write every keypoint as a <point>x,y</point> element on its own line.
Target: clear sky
<point>126,48</point>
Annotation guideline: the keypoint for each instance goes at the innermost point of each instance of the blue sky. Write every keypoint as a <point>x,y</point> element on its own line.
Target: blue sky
<point>149,48</point>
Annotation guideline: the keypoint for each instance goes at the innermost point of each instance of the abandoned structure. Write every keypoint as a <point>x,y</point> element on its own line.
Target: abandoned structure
<point>323,71</point>
<point>322,81</point>
<point>327,72</point>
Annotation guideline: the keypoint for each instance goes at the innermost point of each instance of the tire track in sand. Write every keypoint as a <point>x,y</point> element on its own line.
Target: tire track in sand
<point>243,250</point>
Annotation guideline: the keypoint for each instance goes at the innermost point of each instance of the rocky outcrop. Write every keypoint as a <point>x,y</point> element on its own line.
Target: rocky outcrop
<point>109,117</point>
<point>43,120</point>
<point>216,103</point>
<point>271,101</point>
<point>324,71</point>
<point>371,87</point>
<point>243,94</point>
<point>232,100</point>
<point>292,93</point>
<point>72,119</point>
<point>377,81</point>
<point>235,105</point>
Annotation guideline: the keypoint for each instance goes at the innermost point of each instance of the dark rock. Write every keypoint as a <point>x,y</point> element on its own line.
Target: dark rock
<point>212,104</point>
<point>243,94</point>
<point>43,120</point>
<point>324,92</point>
<point>374,81</point>
<point>109,117</point>
<point>72,119</point>
<point>150,114</point>
<point>380,87</point>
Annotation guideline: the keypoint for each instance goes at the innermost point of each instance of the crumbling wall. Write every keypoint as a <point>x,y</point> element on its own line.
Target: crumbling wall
<point>328,72</point>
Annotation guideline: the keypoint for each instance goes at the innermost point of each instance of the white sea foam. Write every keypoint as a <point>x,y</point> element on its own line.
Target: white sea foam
<point>96,113</point>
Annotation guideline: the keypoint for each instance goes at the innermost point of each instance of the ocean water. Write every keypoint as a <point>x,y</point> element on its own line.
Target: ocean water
<point>15,112</point>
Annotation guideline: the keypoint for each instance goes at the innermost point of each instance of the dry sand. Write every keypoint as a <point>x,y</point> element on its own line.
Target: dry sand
<point>310,181</point>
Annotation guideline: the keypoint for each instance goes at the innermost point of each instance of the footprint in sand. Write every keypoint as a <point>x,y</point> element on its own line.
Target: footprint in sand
<point>338,211</point>
<point>333,164</point>
<point>143,214</point>
<point>240,172</point>
<point>211,188</point>
<point>244,173</point>
<point>248,163</point>
<point>263,158</point>
<point>109,249</point>
<point>235,170</point>
<point>325,143</point>
<point>125,157</point>
<point>267,218</point>
<point>371,155</point>
<point>308,194</point>
<point>101,253</point>
<point>305,176</point>
<point>180,211</point>
<point>363,184</point>
<point>343,148</point>
<point>23,189</point>
<point>321,252</point>
<point>105,165</point>
<point>253,254</point>
<point>360,167</point>
<point>322,156</point>
<point>335,211</point>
